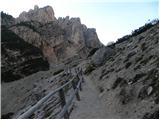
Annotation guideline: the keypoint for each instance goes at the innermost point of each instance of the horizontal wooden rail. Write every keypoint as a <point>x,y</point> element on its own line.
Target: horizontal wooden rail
<point>40,102</point>
<point>64,112</point>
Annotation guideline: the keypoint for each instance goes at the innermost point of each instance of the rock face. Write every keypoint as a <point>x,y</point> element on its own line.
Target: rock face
<point>58,39</point>
<point>19,58</point>
<point>44,15</point>
<point>7,20</point>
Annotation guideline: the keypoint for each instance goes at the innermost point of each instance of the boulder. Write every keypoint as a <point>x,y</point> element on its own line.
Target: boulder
<point>149,90</point>
<point>102,55</point>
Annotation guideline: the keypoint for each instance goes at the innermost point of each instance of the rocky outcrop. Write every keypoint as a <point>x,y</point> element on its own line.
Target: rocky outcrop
<point>7,20</point>
<point>19,58</point>
<point>43,15</point>
<point>58,39</point>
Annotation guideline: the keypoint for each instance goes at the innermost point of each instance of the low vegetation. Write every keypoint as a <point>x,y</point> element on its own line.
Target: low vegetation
<point>128,65</point>
<point>29,25</point>
<point>92,52</point>
<point>119,81</point>
<point>138,76</point>
<point>89,69</point>
<point>143,46</point>
<point>138,31</point>
<point>125,96</point>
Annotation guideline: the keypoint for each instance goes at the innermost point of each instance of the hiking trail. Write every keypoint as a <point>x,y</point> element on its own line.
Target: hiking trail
<point>90,105</point>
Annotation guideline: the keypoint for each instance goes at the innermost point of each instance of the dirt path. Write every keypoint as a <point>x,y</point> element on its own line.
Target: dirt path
<point>90,105</point>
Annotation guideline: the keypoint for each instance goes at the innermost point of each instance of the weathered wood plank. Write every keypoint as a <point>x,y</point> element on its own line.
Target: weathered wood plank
<point>40,102</point>
<point>29,112</point>
<point>63,102</point>
<point>74,87</point>
<point>65,108</point>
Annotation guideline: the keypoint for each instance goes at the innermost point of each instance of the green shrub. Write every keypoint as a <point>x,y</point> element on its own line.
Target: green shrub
<point>143,47</point>
<point>138,76</point>
<point>138,31</point>
<point>145,61</point>
<point>29,25</point>
<point>7,116</point>
<point>89,69</point>
<point>137,67</point>
<point>125,97</point>
<point>117,82</point>
<point>92,52</point>
<point>101,89</point>
<point>139,58</point>
<point>128,65</point>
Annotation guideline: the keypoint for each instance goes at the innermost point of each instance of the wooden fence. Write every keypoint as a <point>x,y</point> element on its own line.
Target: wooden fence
<point>64,113</point>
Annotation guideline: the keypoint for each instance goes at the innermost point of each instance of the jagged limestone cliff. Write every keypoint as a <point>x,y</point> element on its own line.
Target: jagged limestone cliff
<point>19,58</point>
<point>58,39</point>
<point>43,15</point>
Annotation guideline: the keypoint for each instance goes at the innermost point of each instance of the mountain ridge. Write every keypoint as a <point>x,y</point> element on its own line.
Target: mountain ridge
<point>70,34</point>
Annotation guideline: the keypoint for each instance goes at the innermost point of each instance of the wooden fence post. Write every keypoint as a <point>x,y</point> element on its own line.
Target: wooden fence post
<point>63,102</point>
<point>74,87</point>
<point>79,78</point>
<point>80,87</point>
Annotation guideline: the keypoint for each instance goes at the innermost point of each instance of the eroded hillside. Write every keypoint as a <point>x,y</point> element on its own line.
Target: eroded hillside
<point>19,58</point>
<point>128,81</point>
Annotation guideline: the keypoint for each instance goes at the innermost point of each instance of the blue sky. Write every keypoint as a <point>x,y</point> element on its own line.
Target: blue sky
<point>112,18</point>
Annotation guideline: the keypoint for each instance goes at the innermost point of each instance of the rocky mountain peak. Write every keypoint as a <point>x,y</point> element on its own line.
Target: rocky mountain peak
<point>36,7</point>
<point>42,15</point>
<point>60,38</point>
